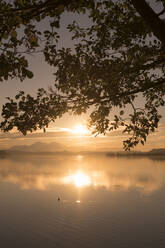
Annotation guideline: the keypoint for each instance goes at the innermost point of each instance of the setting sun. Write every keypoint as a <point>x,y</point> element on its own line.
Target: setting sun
<point>80,129</point>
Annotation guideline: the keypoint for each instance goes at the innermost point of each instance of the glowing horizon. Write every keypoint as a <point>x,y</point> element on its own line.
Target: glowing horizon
<point>80,129</point>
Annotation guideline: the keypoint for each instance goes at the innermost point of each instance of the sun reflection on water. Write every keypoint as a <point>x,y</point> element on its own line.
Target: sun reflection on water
<point>82,171</point>
<point>79,179</point>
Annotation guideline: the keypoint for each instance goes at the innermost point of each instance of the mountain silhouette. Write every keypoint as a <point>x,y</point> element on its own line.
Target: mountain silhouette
<point>39,147</point>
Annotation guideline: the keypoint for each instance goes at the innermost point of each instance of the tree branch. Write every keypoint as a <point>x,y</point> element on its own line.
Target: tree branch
<point>151,19</point>
<point>161,12</point>
<point>145,87</point>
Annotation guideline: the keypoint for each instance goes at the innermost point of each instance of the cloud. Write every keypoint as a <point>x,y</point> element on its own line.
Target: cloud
<point>111,141</point>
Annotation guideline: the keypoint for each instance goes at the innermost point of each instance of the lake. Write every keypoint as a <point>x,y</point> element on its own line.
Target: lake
<point>75,201</point>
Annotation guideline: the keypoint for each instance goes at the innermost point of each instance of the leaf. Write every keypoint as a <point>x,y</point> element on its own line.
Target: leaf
<point>13,34</point>
<point>33,39</point>
<point>19,19</point>
<point>29,74</point>
<point>5,36</point>
<point>60,9</point>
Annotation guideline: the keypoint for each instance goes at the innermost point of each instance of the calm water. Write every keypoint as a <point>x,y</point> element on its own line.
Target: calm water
<point>104,202</point>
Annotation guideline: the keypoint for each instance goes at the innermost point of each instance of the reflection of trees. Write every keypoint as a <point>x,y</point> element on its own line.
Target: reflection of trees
<point>110,173</point>
<point>157,158</point>
<point>154,154</point>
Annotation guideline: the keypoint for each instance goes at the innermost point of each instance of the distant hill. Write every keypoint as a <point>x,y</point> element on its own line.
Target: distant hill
<point>160,151</point>
<point>53,147</point>
<point>3,153</point>
<point>153,152</point>
<point>39,147</point>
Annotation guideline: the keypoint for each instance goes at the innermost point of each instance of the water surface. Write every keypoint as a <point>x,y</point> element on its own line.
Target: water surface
<point>82,201</point>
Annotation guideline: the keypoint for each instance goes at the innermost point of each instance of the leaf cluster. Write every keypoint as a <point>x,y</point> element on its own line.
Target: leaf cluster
<point>116,58</point>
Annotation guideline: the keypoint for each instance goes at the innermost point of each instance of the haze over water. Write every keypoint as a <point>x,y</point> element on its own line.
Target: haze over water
<point>82,201</point>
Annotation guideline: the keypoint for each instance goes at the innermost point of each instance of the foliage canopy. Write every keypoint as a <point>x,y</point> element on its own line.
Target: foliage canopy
<point>116,58</point>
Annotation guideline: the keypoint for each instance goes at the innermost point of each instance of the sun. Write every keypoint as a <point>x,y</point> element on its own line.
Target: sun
<point>80,129</point>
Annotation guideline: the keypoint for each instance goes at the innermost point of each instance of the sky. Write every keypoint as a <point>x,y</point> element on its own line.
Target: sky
<point>63,131</point>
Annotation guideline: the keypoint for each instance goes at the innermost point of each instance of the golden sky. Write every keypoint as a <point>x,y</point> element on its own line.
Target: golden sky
<point>76,138</point>
<point>63,130</point>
